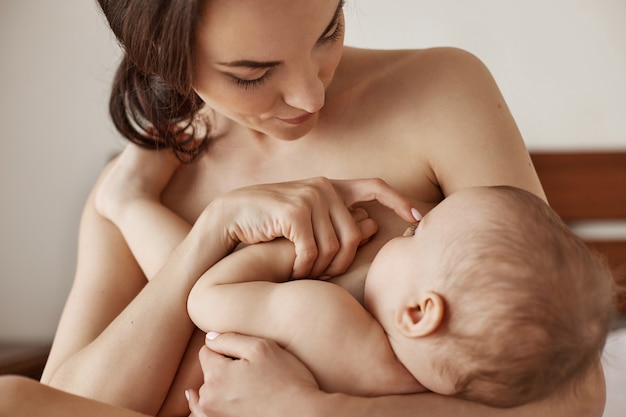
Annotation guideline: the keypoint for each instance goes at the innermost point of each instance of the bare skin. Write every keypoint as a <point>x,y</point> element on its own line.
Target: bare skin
<point>424,157</point>
<point>263,367</point>
<point>24,397</point>
<point>428,122</point>
<point>135,180</point>
<point>130,197</point>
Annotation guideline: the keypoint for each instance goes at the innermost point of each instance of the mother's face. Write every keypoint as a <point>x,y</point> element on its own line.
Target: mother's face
<point>267,64</point>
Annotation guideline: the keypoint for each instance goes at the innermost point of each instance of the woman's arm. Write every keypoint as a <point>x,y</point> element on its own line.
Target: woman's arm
<point>129,195</point>
<point>23,397</point>
<point>471,139</point>
<point>478,141</point>
<point>245,293</point>
<point>110,341</point>
<point>255,386</point>
<point>110,344</point>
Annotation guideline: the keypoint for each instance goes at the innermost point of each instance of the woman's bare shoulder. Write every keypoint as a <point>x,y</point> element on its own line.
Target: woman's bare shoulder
<point>408,70</point>
<point>443,108</point>
<point>413,85</point>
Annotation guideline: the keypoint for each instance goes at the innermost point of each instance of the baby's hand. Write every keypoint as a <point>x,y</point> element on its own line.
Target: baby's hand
<point>315,214</point>
<point>367,226</point>
<point>136,173</point>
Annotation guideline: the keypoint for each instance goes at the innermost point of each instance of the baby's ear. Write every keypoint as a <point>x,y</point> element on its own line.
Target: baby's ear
<point>422,316</point>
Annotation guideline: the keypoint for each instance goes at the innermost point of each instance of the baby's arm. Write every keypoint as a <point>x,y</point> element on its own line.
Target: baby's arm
<point>319,322</point>
<point>130,196</point>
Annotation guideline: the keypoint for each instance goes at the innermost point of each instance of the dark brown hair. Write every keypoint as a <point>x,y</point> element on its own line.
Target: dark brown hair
<point>152,100</point>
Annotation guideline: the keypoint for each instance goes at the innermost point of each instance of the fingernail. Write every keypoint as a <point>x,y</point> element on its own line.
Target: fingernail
<point>187,394</point>
<point>416,214</point>
<point>212,335</point>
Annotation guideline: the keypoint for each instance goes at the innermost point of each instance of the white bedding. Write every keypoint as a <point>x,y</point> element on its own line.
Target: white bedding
<point>614,363</point>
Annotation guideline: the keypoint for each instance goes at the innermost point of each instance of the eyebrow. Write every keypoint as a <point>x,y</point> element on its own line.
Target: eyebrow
<point>246,63</point>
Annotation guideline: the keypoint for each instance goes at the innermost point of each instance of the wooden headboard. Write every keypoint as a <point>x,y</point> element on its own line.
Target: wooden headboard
<point>589,187</point>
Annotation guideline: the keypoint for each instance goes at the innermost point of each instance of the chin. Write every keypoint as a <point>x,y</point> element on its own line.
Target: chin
<point>291,136</point>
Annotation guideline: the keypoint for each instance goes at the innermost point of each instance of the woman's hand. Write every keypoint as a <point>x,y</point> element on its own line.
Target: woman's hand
<point>314,214</point>
<point>242,373</point>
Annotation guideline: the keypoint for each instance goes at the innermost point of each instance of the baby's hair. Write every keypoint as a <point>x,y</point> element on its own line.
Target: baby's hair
<point>530,305</point>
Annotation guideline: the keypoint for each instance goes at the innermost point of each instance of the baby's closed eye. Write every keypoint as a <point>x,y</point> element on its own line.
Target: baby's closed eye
<point>410,231</point>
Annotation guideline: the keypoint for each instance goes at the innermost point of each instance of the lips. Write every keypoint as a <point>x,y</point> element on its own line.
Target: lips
<point>297,120</point>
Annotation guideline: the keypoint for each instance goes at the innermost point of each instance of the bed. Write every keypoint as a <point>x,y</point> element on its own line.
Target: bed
<point>588,190</point>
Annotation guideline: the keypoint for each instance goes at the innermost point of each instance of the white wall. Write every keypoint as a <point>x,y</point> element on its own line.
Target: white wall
<point>56,63</point>
<point>560,64</point>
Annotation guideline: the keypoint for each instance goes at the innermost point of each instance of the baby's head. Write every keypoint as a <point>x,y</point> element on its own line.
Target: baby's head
<point>493,299</point>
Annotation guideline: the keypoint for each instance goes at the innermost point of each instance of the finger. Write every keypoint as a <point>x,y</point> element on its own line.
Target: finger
<point>238,346</point>
<point>349,237</point>
<point>193,399</point>
<point>370,189</point>
<point>206,359</point>
<point>359,214</point>
<point>368,228</point>
<point>303,237</point>
<point>327,235</point>
<point>332,248</point>
<point>299,226</point>
<point>352,234</point>
<point>211,360</point>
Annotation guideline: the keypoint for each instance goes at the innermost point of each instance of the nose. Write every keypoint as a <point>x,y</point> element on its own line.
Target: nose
<point>305,90</point>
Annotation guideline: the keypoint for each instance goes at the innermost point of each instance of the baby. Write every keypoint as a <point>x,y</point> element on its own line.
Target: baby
<point>490,298</point>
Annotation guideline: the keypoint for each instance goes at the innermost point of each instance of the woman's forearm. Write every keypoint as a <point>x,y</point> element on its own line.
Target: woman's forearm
<point>270,381</point>
<point>433,405</point>
<point>154,223</point>
<point>24,397</point>
<point>587,400</point>
<point>134,360</point>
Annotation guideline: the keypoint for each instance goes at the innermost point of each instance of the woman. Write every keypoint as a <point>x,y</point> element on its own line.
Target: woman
<point>281,100</point>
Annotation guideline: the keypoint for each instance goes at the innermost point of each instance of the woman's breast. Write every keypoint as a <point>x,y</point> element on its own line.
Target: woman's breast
<point>389,227</point>
<point>195,185</point>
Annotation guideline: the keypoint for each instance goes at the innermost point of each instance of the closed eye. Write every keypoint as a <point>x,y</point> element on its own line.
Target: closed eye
<point>251,84</point>
<point>252,67</point>
<point>410,231</point>
<point>334,36</point>
<point>334,31</point>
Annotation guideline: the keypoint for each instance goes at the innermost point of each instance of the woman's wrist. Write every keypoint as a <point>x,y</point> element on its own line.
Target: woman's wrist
<point>210,233</point>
